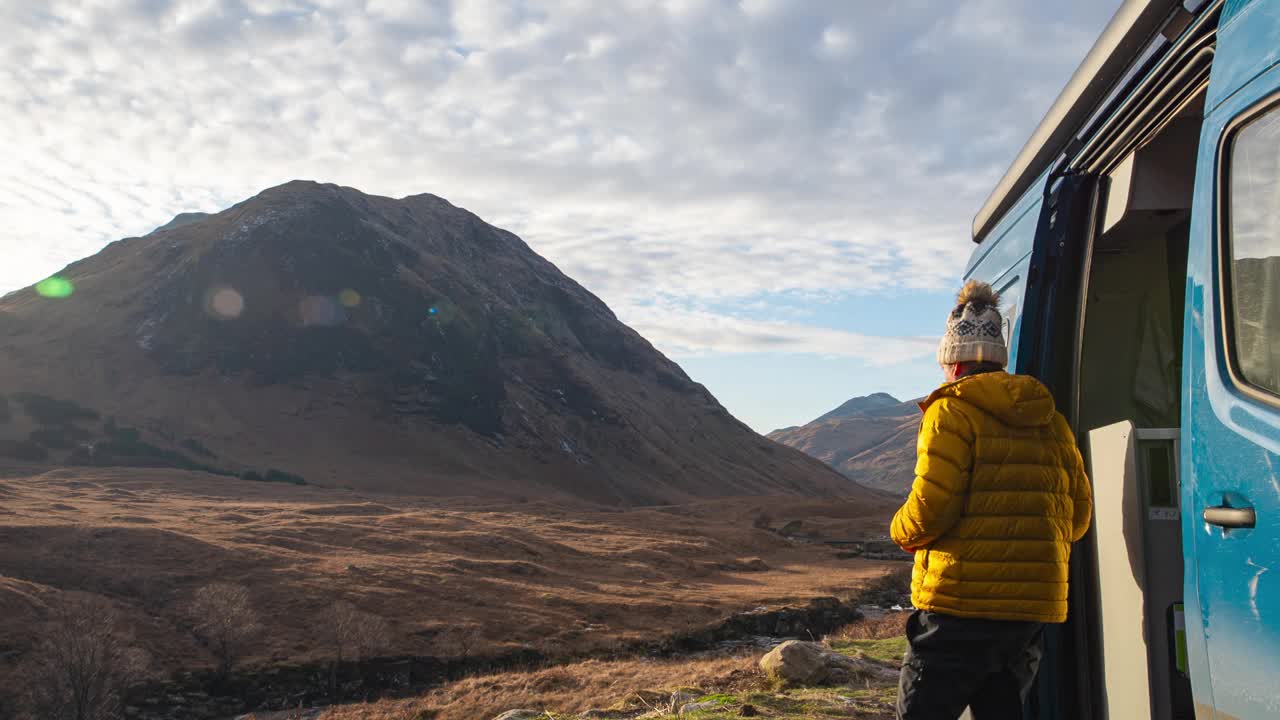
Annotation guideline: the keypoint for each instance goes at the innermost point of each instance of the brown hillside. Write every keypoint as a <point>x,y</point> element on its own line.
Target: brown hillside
<point>367,342</point>
<point>871,440</point>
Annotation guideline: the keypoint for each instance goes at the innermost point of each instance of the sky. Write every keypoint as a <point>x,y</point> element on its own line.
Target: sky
<point>777,194</point>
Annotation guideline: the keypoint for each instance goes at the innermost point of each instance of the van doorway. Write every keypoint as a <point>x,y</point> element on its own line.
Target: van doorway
<point>1127,409</point>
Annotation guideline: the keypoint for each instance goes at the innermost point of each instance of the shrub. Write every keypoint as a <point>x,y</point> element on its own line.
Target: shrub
<point>197,447</point>
<point>274,475</point>
<point>49,411</point>
<point>127,436</point>
<point>795,527</point>
<point>353,633</point>
<point>125,449</point>
<point>225,621</point>
<point>83,663</point>
<point>460,640</point>
<point>23,450</point>
<point>59,437</point>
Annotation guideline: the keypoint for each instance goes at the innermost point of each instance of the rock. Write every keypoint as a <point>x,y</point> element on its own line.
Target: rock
<point>809,663</point>
<point>697,706</point>
<point>795,661</point>
<point>681,698</point>
<point>521,715</point>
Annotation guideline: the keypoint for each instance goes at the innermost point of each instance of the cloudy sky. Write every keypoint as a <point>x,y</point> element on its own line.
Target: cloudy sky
<point>777,193</point>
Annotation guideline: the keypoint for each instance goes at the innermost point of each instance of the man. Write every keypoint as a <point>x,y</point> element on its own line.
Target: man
<point>999,496</point>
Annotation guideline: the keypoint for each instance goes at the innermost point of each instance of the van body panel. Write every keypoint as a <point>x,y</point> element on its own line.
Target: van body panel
<point>1004,260</point>
<point>1247,47</point>
<point>1231,438</point>
<point>1011,239</point>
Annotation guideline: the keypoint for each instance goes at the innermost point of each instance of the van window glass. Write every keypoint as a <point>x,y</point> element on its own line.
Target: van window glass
<point>1255,251</point>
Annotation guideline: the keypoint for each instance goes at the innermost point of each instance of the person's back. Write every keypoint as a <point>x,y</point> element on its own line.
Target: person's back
<point>999,499</point>
<point>999,496</point>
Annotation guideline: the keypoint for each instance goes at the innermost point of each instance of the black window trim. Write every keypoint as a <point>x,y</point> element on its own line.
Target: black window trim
<point>1222,249</point>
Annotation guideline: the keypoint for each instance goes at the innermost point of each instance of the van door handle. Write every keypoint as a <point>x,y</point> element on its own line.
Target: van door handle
<point>1230,517</point>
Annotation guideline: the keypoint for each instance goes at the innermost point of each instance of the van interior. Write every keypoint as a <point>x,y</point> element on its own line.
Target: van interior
<point>1127,409</point>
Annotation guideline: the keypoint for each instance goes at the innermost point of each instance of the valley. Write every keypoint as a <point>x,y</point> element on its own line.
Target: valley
<point>450,577</point>
<point>325,445</point>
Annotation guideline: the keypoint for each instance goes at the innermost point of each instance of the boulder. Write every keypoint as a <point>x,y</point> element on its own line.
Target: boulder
<point>522,715</point>
<point>694,707</point>
<point>808,663</point>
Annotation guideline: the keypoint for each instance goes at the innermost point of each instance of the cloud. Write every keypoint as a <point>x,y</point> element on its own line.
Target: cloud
<point>685,333</point>
<point>678,151</point>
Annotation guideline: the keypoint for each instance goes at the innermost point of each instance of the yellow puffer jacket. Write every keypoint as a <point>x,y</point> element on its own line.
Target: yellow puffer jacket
<point>999,496</point>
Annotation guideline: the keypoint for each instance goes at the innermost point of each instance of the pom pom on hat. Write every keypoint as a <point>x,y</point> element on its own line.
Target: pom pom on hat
<point>975,329</point>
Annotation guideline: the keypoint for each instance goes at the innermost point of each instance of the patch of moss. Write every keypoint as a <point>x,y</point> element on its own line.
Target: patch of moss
<point>888,650</point>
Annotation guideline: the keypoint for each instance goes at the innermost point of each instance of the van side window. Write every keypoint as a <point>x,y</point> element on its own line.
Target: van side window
<point>1253,273</point>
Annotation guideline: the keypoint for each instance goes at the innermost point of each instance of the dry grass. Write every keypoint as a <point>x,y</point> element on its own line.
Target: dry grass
<point>531,575</point>
<point>569,689</point>
<point>890,625</point>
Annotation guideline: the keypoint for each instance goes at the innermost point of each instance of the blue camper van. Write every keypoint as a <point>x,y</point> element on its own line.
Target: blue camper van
<point>1136,239</point>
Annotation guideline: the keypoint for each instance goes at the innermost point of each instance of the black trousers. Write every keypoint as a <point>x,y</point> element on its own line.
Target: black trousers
<point>953,663</point>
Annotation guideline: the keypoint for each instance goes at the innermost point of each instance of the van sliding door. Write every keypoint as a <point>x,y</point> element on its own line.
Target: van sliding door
<point>1231,413</point>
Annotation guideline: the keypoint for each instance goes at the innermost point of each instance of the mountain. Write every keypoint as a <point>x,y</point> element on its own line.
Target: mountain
<point>874,405</point>
<point>870,440</point>
<point>316,334</point>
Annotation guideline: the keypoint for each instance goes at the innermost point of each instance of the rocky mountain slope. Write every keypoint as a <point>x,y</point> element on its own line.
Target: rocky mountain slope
<point>871,440</point>
<point>316,334</point>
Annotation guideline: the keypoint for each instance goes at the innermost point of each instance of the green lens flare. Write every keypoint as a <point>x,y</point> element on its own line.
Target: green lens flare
<point>349,298</point>
<point>55,287</point>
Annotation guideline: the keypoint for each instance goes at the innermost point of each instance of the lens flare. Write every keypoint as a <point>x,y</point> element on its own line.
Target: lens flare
<point>349,298</point>
<point>226,303</point>
<point>55,287</point>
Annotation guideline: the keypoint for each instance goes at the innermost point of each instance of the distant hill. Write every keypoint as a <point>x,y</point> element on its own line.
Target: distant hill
<point>870,440</point>
<point>317,334</point>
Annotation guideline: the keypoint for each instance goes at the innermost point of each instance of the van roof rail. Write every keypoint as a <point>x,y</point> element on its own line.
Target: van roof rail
<point>1129,33</point>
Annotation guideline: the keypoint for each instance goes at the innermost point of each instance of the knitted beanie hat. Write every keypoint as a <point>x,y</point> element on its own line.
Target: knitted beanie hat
<point>975,331</point>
